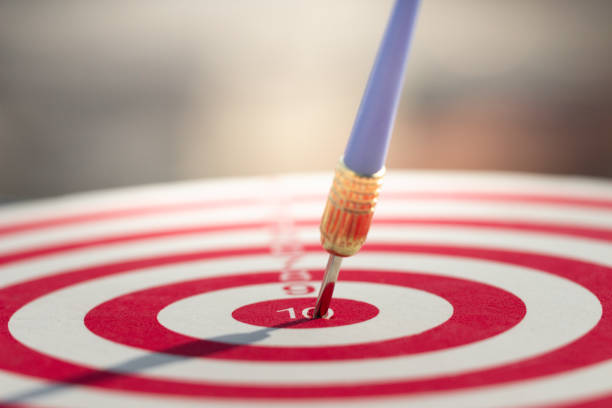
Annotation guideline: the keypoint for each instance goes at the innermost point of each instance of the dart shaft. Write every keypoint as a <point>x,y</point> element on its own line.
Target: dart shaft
<point>369,140</point>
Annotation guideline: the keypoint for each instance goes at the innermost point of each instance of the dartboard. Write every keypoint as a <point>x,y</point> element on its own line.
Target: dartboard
<point>473,290</point>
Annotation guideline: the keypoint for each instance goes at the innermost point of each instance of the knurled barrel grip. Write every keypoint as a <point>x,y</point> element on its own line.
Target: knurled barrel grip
<point>349,209</point>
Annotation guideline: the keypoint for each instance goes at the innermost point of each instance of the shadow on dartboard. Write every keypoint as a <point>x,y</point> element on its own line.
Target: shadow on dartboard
<point>151,360</point>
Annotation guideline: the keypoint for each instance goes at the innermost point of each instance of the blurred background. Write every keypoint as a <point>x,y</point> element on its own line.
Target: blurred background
<point>115,93</point>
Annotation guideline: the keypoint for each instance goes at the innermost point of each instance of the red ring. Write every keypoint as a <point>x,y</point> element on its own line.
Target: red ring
<point>593,347</point>
<point>599,203</point>
<point>131,319</point>
<point>569,230</point>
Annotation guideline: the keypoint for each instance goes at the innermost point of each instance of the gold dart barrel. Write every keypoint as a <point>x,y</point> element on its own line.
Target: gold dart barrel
<point>349,209</point>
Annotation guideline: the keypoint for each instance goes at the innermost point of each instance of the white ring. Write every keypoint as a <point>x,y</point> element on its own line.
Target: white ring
<point>208,315</point>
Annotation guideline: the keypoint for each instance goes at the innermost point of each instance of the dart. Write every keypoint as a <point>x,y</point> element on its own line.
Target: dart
<point>358,176</point>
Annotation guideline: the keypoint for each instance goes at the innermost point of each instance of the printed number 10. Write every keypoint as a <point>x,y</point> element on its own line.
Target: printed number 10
<point>307,313</point>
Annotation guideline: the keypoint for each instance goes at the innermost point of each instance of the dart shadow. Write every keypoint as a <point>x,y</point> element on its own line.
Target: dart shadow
<point>192,349</point>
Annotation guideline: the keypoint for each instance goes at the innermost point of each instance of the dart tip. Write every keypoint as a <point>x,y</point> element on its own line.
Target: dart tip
<point>327,286</point>
<point>323,301</point>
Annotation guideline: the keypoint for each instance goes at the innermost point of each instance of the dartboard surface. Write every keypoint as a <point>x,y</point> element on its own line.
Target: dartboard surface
<point>473,290</point>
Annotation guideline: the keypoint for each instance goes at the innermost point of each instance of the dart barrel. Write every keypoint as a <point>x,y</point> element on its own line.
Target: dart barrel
<point>349,209</point>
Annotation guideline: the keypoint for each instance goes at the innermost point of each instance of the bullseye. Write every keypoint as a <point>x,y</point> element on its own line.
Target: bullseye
<point>296,313</point>
<point>496,297</point>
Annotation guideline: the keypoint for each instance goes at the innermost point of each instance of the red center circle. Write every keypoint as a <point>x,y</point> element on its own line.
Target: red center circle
<point>296,313</point>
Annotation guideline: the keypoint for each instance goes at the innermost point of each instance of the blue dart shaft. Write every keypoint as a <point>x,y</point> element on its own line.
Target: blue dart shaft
<point>369,141</point>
